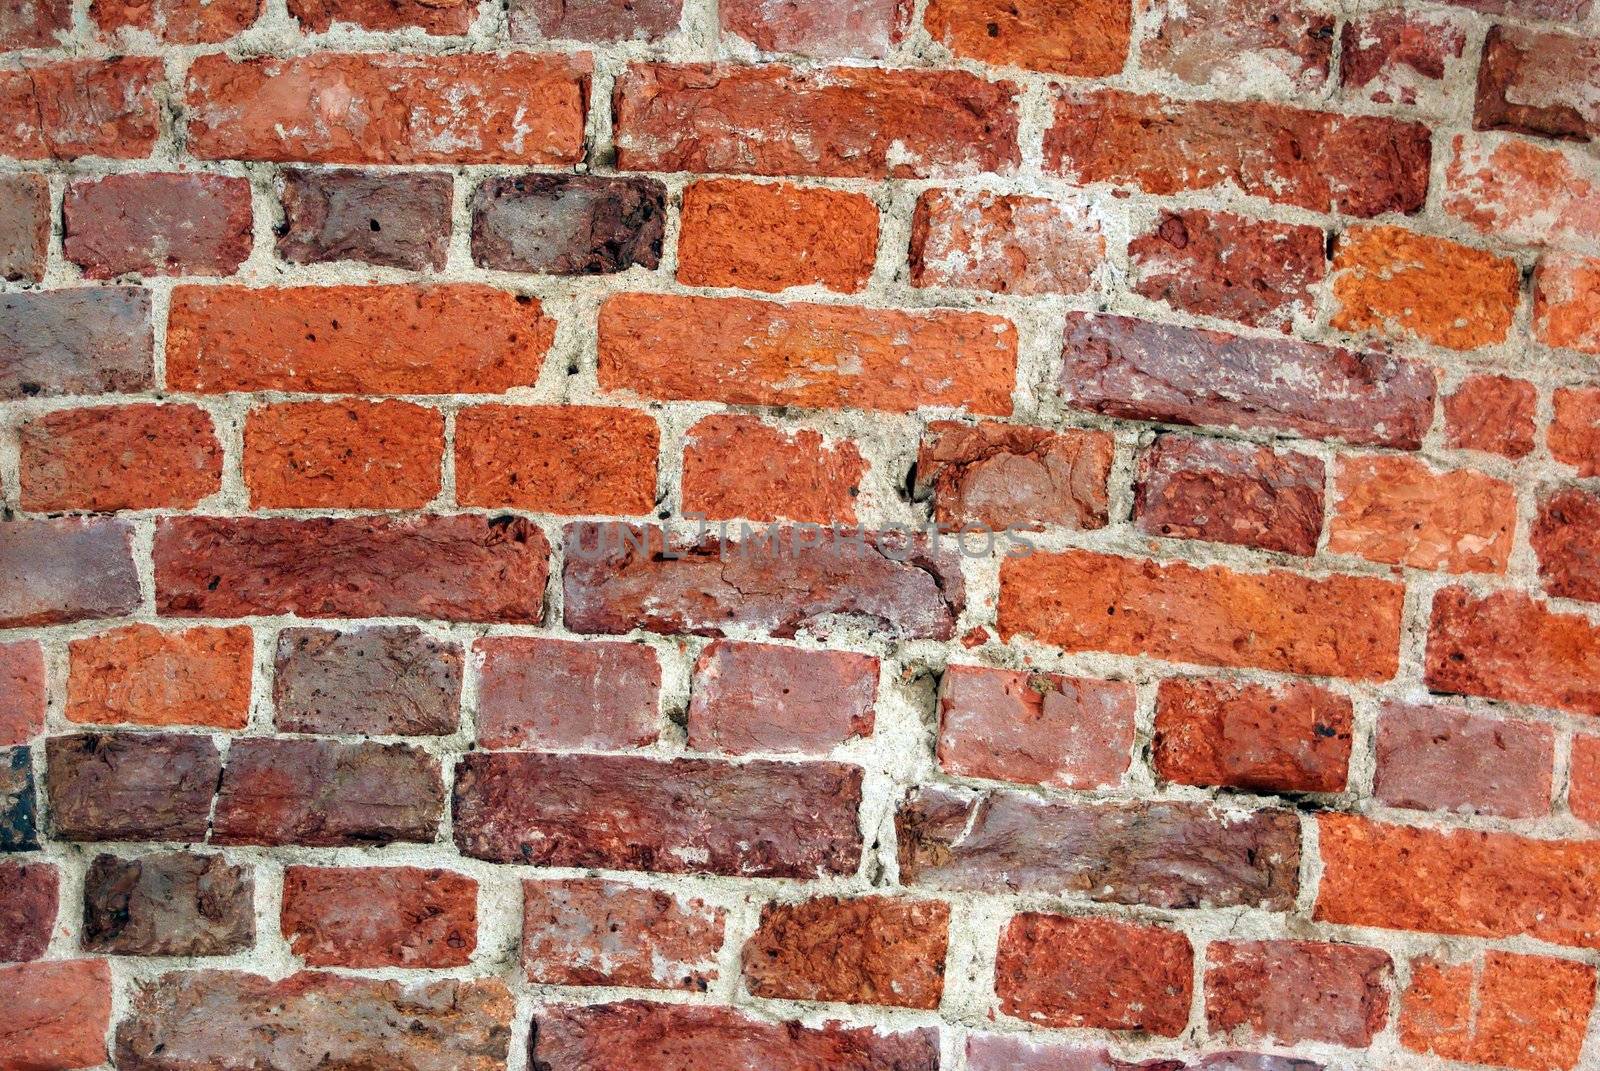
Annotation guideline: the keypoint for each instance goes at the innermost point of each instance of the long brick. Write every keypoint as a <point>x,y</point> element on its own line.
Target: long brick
<point>143,675</point>
<point>1524,1012</point>
<point>119,457</point>
<point>1519,191</point>
<point>131,786</point>
<point>62,110</point>
<point>1510,646</point>
<point>1026,1052</point>
<point>447,17</point>
<point>557,458</point>
<point>1538,82</point>
<point>81,341</point>
<point>1062,971</point>
<point>1069,37</point>
<point>595,21</point>
<point>685,816</point>
<point>176,21</point>
<point>56,571</point>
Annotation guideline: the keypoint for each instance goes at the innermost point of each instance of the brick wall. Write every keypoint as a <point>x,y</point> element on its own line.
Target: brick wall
<point>371,700</point>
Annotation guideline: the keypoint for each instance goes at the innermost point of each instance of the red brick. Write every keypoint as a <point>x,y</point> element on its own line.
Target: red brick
<point>685,1037</point>
<point>157,225</point>
<point>1294,991</point>
<point>1566,303</point>
<point>1526,1012</point>
<point>1401,57</point>
<point>141,675</point>
<point>1397,510</point>
<point>326,794</point>
<point>1520,192</point>
<point>57,1015</point>
<point>1136,370</point>
<point>348,454</point>
<point>131,786</point>
<point>457,338</point>
<point>738,466</point>
<point>1102,973</point>
<point>22,682</point>
<point>840,29</point>
<point>58,571</point>
<point>1557,10</point>
<point>449,17</point>
<point>1507,645</point>
<point>1257,272</point>
<point>35,24</point>
<point>1008,476</point>
<point>1342,626</point>
<point>374,108</point>
<point>1494,414</point>
<point>1035,728</point>
<point>28,910</point>
<point>1583,791</point>
<point>1283,47</point>
<point>87,340</point>
<point>179,22</point>
<point>596,21</point>
<point>1359,165</point>
<point>1458,881</point>
<point>744,352</point>
<point>61,110</point>
<point>119,457</point>
<point>1259,737</point>
<point>1538,82</point>
<point>1073,37</point>
<point>557,458</point>
<point>453,567</point>
<point>547,693</point>
<point>1189,487</point>
<point>1007,243</point>
<point>770,236</point>
<point>1574,434</point>
<point>864,950</point>
<point>168,904</point>
<point>24,225</point>
<point>568,224</point>
<point>1435,758</point>
<point>845,122</point>
<point>379,916</point>
<point>382,680</point>
<point>1566,537</point>
<point>763,697</point>
<point>684,816</point>
<point>394,218</point>
<point>587,931</point>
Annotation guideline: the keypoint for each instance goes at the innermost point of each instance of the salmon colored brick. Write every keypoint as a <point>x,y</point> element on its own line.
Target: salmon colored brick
<point>142,675</point>
<point>540,693</point>
<point>1574,434</point>
<point>1397,510</point>
<point>1445,760</point>
<point>181,22</point>
<point>1583,789</point>
<point>1006,243</point>
<point>450,338</point>
<point>62,110</point>
<point>57,1014</point>
<point>750,697</point>
<point>1086,38</point>
<point>1525,1012</point>
<point>557,459</point>
<point>1507,645</point>
<point>1522,191</point>
<point>119,457</point>
<point>22,676</point>
<point>737,466</point>
<point>1258,737</point>
<point>1566,303</point>
<point>760,236</point>
<point>348,455</point>
<point>1393,282</point>
<point>1494,414</point>
<point>828,356</point>
<point>839,29</point>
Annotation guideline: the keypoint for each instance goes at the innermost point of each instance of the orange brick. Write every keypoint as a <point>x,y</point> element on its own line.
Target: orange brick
<point>1574,434</point>
<point>61,111</point>
<point>771,236</point>
<point>350,455</point>
<point>557,458</point>
<point>141,675</point>
<point>119,457</point>
<point>1506,645</point>
<point>1583,793</point>
<point>1076,37</point>
<point>181,22</point>
<point>1397,510</point>
<point>1519,191</point>
<point>736,466</point>
<point>1524,1012</point>
<point>1006,243</point>
<point>1566,303</point>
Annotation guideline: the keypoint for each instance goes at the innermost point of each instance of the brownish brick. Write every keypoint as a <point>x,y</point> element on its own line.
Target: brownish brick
<point>1008,476</point>
<point>168,904</point>
<point>1494,414</point>
<point>157,224</point>
<point>24,223</point>
<point>549,693</point>
<point>1566,537</point>
<point>1435,758</point>
<point>763,697</point>
<point>397,916</point>
<point>28,910</point>
<point>1189,487</point>
<point>381,680</point>
<point>87,340</point>
<point>131,786</point>
<point>394,219</point>
<point>568,224</point>
<point>1294,991</point>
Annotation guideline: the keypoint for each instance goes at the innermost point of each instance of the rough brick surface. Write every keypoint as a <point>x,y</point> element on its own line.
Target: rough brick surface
<point>177,21</point>
<point>63,110</point>
<point>1530,1010</point>
<point>168,904</point>
<point>1291,991</point>
<point>847,29</point>
<point>142,675</point>
<point>157,225</point>
<point>763,697</point>
<point>1494,414</point>
<point>399,220</point>
<point>350,455</point>
<point>566,225</point>
<point>22,676</point>
<point>1400,57</point>
<point>56,571</point>
<point>1574,434</point>
<point>24,227</point>
<point>1005,243</point>
<point>1056,970</point>
<point>597,21</point>
<point>80,341</point>
<point>132,786</point>
<point>383,680</point>
<point>1435,758</point>
<point>771,236</point>
<point>588,931</point>
<point>736,466</point>
<point>1566,300</point>
<point>535,692</point>
<point>19,801</point>
<point>556,459</point>
<point>28,912</point>
<point>1397,510</point>
<point>433,16</point>
<point>1583,796</point>
<point>1004,476</point>
<point>1535,82</point>
<point>35,23</point>
<point>1263,738</point>
<point>379,916</point>
<point>1566,537</point>
<point>57,1014</point>
<point>119,458</point>
<point>871,950</point>
<point>1189,487</point>
<point>1507,645</point>
<point>1287,46</point>
<point>1522,191</point>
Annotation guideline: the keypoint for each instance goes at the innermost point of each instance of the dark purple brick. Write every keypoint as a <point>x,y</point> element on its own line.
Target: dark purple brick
<point>596,21</point>
<point>89,340</point>
<point>168,904</point>
<point>131,786</point>
<point>28,902</point>
<point>568,224</point>
<point>395,219</point>
<point>386,680</point>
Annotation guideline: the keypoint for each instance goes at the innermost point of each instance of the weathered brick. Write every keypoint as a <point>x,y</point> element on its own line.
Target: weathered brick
<point>1458,881</point>
<point>1342,626</point>
<point>27,911</point>
<point>1035,728</point>
<point>1257,272</point>
<point>395,339</point>
<point>1259,737</point>
<point>1136,370</point>
<point>557,458</point>
<point>596,21</point>
<point>770,236</point>
<point>1064,971</point>
<point>1189,487</point>
<point>19,802</point>
<point>168,904</point>
<point>348,454</point>
<point>119,457</point>
<point>845,122</point>
<point>1397,56</point>
<point>57,1014</point>
<point>179,22</point>
<point>1169,855</point>
<point>841,29</point>
<point>1566,303</point>
<point>587,931</point>
<point>1398,510</point>
<point>739,466</point>
<point>142,675</point>
<point>93,340</point>
<point>327,794</point>
<point>1024,1052</point>
<point>1583,789</point>
<point>568,224</point>
<point>65,109</point>
<point>58,571</point>
<point>1538,82</point>
<point>1566,537</point>
<point>764,697</point>
<point>35,23</point>
<point>157,224</point>
<point>24,224</point>
<point>1009,476</point>
<point>1574,434</point>
<point>1284,47</point>
<point>1007,243</point>
<point>1294,991</point>
<point>746,352</point>
<point>1435,758</point>
<point>232,1021</point>
<point>382,680</point>
<point>1521,192</point>
<point>1525,1012</point>
<point>1495,414</point>
<point>1507,645</point>
<point>395,219</point>
<point>793,580</point>
<point>131,786</point>
<point>1359,165</point>
<point>1558,10</point>
<point>448,17</point>
<point>453,567</point>
<point>397,916</point>
<point>376,108</point>
<point>684,816</point>
<point>22,684</point>
<point>538,692</point>
<point>684,1037</point>
<point>862,950</point>
<point>1072,37</point>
